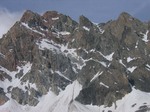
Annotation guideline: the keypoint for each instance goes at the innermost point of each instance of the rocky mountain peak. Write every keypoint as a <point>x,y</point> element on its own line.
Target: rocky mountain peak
<point>79,64</point>
<point>125,22</point>
<point>124,16</point>
<point>31,18</point>
<point>126,19</point>
<point>51,15</point>
<point>84,21</point>
<point>28,15</point>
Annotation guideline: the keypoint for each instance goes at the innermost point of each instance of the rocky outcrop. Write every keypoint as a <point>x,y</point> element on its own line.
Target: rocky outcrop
<point>23,97</point>
<point>3,97</point>
<point>49,52</point>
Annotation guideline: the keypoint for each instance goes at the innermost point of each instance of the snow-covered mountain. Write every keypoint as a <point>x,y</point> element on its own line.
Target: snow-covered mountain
<point>51,63</point>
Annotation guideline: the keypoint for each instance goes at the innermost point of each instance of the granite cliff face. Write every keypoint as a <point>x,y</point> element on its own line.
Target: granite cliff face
<point>49,52</point>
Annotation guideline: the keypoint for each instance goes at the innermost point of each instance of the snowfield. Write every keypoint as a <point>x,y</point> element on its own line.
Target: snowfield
<point>65,102</point>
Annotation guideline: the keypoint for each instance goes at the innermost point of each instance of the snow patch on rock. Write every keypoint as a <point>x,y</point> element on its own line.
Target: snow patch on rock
<point>56,18</point>
<point>96,76</point>
<point>145,36</point>
<point>15,82</point>
<point>27,26</point>
<point>131,69</point>
<point>86,28</point>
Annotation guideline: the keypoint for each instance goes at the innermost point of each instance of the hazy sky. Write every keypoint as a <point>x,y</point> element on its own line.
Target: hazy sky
<point>96,10</point>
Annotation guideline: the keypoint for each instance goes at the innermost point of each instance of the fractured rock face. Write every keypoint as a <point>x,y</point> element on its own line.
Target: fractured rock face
<point>23,97</point>
<point>49,52</point>
<point>3,97</point>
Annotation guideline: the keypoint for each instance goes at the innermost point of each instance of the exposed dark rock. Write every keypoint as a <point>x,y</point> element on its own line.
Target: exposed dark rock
<point>62,50</point>
<point>32,19</point>
<point>4,76</point>
<point>143,108</point>
<point>83,21</point>
<point>23,97</point>
<point>3,97</point>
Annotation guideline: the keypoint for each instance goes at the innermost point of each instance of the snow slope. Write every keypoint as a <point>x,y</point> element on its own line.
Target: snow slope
<point>65,102</point>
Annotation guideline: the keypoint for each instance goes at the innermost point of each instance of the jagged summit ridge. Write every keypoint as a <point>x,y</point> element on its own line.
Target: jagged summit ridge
<point>103,63</point>
<point>125,16</point>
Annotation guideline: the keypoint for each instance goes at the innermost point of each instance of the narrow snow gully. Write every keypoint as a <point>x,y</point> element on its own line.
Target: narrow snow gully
<point>65,99</point>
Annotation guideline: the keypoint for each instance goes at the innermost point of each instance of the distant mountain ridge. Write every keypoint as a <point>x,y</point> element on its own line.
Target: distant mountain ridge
<point>67,66</point>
